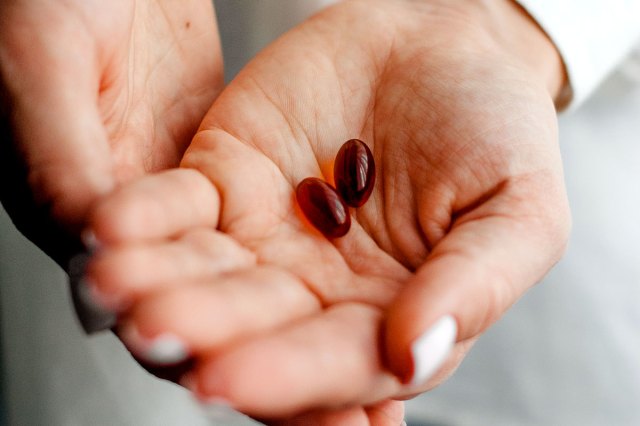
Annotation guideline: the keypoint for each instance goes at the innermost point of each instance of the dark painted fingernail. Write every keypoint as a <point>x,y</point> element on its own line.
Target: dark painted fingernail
<point>92,317</point>
<point>90,241</point>
<point>171,372</point>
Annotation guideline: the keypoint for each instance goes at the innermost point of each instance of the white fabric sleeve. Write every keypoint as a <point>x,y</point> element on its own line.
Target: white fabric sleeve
<point>593,36</point>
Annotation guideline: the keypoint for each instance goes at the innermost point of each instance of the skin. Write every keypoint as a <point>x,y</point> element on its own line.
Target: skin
<point>469,210</point>
<point>126,85</point>
<point>94,94</point>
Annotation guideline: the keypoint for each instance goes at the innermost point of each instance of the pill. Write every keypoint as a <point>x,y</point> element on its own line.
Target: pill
<point>354,172</point>
<point>323,207</point>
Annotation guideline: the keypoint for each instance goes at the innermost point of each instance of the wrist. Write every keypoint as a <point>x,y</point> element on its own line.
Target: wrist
<point>503,27</point>
<point>526,41</point>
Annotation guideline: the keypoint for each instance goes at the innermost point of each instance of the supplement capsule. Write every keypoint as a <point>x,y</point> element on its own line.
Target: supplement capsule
<point>354,172</point>
<point>323,207</point>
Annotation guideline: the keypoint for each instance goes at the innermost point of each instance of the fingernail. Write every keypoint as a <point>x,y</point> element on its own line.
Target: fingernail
<point>102,300</point>
<point>78,266</point>
<point>93,317</point>
<point>90,241</point>
<point>404,423</point>
<point>163,349</point>
<point>214,407</point>
<point>218,409</point>
<point>171,372</point>
<point>430,350</point>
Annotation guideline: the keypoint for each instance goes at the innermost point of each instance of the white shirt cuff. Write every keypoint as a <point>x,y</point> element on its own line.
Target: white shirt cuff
<point>592,36</point>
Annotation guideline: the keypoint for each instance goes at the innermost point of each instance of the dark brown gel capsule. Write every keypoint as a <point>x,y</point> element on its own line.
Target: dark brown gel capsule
<point>354,172</point>
<point>323,207</point>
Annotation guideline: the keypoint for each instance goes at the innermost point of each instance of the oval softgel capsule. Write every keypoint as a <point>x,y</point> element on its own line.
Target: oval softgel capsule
<point>354,172</point>
<point>323,207</point>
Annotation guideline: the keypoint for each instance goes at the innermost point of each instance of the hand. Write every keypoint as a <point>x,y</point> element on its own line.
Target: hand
<point>95,94</point>
<point>468,212</point>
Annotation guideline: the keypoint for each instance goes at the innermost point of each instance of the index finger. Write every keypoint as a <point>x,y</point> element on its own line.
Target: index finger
<point>156,207</point>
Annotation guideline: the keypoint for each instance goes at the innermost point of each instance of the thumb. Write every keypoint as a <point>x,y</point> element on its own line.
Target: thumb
<point>56,153</point>
<point>64,145</point>
<point>469,280</point>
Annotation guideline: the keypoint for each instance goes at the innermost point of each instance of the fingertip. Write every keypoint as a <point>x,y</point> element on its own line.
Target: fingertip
<point>90,240</point>
<point>388,412</point>
<point>103,225</point>
<point>397,338</point>
<point>239,378</point>
<point>161,349</point>
<point>420,331</point>
<point>431,349</point>
<point>92,316</point>
<point>156,207</point>
<point>422,359</point>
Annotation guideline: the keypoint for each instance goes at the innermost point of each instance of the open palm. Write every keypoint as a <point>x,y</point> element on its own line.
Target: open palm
<point>468,212</point>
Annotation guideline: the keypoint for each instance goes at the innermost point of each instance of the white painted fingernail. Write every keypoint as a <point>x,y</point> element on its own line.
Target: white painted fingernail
<point>430,350</point>
<point>167,349</point>
<point>90,241</point>
<point>164,349</point>
<point>403,423</point>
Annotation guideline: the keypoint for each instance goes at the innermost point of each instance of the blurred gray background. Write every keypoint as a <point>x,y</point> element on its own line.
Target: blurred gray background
<point>567,354</point>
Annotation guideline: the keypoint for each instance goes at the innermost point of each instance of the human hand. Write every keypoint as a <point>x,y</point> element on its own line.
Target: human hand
<point>468,212</point>
<point>95,94</point>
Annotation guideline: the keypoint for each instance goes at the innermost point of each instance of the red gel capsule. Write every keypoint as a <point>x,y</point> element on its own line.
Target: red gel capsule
<point>323,207</point>
<point>354,172</point>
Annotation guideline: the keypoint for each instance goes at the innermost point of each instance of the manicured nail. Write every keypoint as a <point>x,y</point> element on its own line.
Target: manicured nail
<point>430,350</point>
<point>404,423</point>
<point>90,241</point>
<point>93,316</point>
<point>164,349</point>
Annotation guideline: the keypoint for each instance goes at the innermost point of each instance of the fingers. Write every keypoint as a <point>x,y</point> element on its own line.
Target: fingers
<point>215,313</point>
<point>385,413</point>
<point>331,359</point>
<point>353,416</point>
<point>473,275</point>
<point>123,274</point>
<point>156,207</point>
